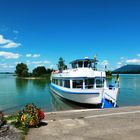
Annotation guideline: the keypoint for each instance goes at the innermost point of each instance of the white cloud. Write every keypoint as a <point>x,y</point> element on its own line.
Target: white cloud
<point>52,66</point>
<point>33,55</point>
<point>9,55</point>
<point>41,63</point>
<point>28,55</point>
<point>5,65</point>
<point>104,63</point>
<point>5,43</point>
<point>119,63</point>
<point>11,45</point>
<point>133,61</point>
<point>37,62</point>
<point>3,40</point>
<point>28,62</point>
<point>122,58</point>
<point>46,62</point>
<point>138,55</point>
<point>17,62</point>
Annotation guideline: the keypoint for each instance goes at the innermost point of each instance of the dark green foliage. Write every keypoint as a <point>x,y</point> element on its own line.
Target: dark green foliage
<point>61,64</point>
<point>108,73</point>
<point>49,71</point>
<point>22,70</point>
<point>39,71</point>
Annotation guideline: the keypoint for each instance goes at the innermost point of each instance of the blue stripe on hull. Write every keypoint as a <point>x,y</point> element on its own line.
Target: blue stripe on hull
<point>70,92</point>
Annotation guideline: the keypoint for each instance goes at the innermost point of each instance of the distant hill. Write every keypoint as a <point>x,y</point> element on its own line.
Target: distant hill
<point>128,69</point>
<point>6,73</point>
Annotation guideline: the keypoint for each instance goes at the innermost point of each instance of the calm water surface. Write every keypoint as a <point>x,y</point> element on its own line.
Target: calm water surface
<point>15,93</point>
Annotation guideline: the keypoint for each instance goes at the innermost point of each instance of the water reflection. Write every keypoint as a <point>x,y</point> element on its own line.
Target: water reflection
<point>40,83</point>
<point>60,104</point>
<point>21,84</point>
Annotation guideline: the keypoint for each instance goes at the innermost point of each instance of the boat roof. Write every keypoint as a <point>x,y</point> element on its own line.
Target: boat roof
<point>79,60</point>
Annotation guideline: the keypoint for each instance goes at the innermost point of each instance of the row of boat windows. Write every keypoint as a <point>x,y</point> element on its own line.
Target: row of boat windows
<point>84,64</point>
<point>87,83</point>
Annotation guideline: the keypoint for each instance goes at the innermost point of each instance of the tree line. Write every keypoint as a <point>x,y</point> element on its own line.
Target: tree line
<point>22,69</point>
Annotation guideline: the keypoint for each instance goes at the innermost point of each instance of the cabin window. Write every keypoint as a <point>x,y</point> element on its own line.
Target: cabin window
<point>56,81</point>
<point>53,81</point>
<point>99,83</point>
<point>74,65</point>
<point>86,64</point>
<point>60,82</point>
<point>89,83</point>
<point>80,64</point>
<point>77,83</point>
<point>67,83</point>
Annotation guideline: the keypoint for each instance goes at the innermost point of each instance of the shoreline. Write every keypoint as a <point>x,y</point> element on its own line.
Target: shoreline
<point>33,78</point>
<point>76,110</point>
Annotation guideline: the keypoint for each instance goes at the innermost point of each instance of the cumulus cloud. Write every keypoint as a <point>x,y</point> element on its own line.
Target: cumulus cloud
<point>33,55</point>
<point>40,63</point>
<point>104,63</point>
<point>133,61</point>
<point>46,62</point>
<point>3,40</point>
<point>28,55</point>
<point>7,67</point>
<point>37,62</point>
<point>11,45</point>
<point>9,55</point>
<point>3,65</point>
<point>6,43</point>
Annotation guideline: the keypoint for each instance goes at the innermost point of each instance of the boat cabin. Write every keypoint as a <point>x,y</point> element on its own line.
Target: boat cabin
<point>82,83</point>
<point>84,63</point>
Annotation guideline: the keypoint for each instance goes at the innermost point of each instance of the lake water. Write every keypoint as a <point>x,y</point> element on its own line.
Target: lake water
<point>15,93</point>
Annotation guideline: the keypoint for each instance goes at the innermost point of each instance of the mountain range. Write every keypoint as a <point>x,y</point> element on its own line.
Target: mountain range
<point>132,69</point>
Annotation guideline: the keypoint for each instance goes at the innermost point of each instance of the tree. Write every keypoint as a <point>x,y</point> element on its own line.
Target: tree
<point>49,71</point>
<point>108,73</point>
<point>61,64</point>
<point>22,70</point>
<point>39,71</point>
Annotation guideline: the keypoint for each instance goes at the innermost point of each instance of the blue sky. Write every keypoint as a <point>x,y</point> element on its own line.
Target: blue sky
<point>38,32</point>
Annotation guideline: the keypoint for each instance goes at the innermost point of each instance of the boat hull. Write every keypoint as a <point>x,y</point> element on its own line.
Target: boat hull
<point>93,97</point>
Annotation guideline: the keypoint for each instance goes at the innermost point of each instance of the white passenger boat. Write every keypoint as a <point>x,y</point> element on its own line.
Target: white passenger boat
<point>83,83</point>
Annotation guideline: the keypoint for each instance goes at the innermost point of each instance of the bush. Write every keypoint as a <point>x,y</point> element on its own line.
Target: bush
<point>30,116</point>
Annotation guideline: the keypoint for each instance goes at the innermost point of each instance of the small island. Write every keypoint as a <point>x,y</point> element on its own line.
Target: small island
<point>22,70</point>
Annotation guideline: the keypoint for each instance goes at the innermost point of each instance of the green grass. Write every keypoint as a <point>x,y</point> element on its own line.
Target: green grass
<point>13,120</point>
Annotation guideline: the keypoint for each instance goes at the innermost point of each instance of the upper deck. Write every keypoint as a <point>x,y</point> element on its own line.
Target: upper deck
<point>79,72</point>
<point>81,68</point>
<point>84,63</point>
